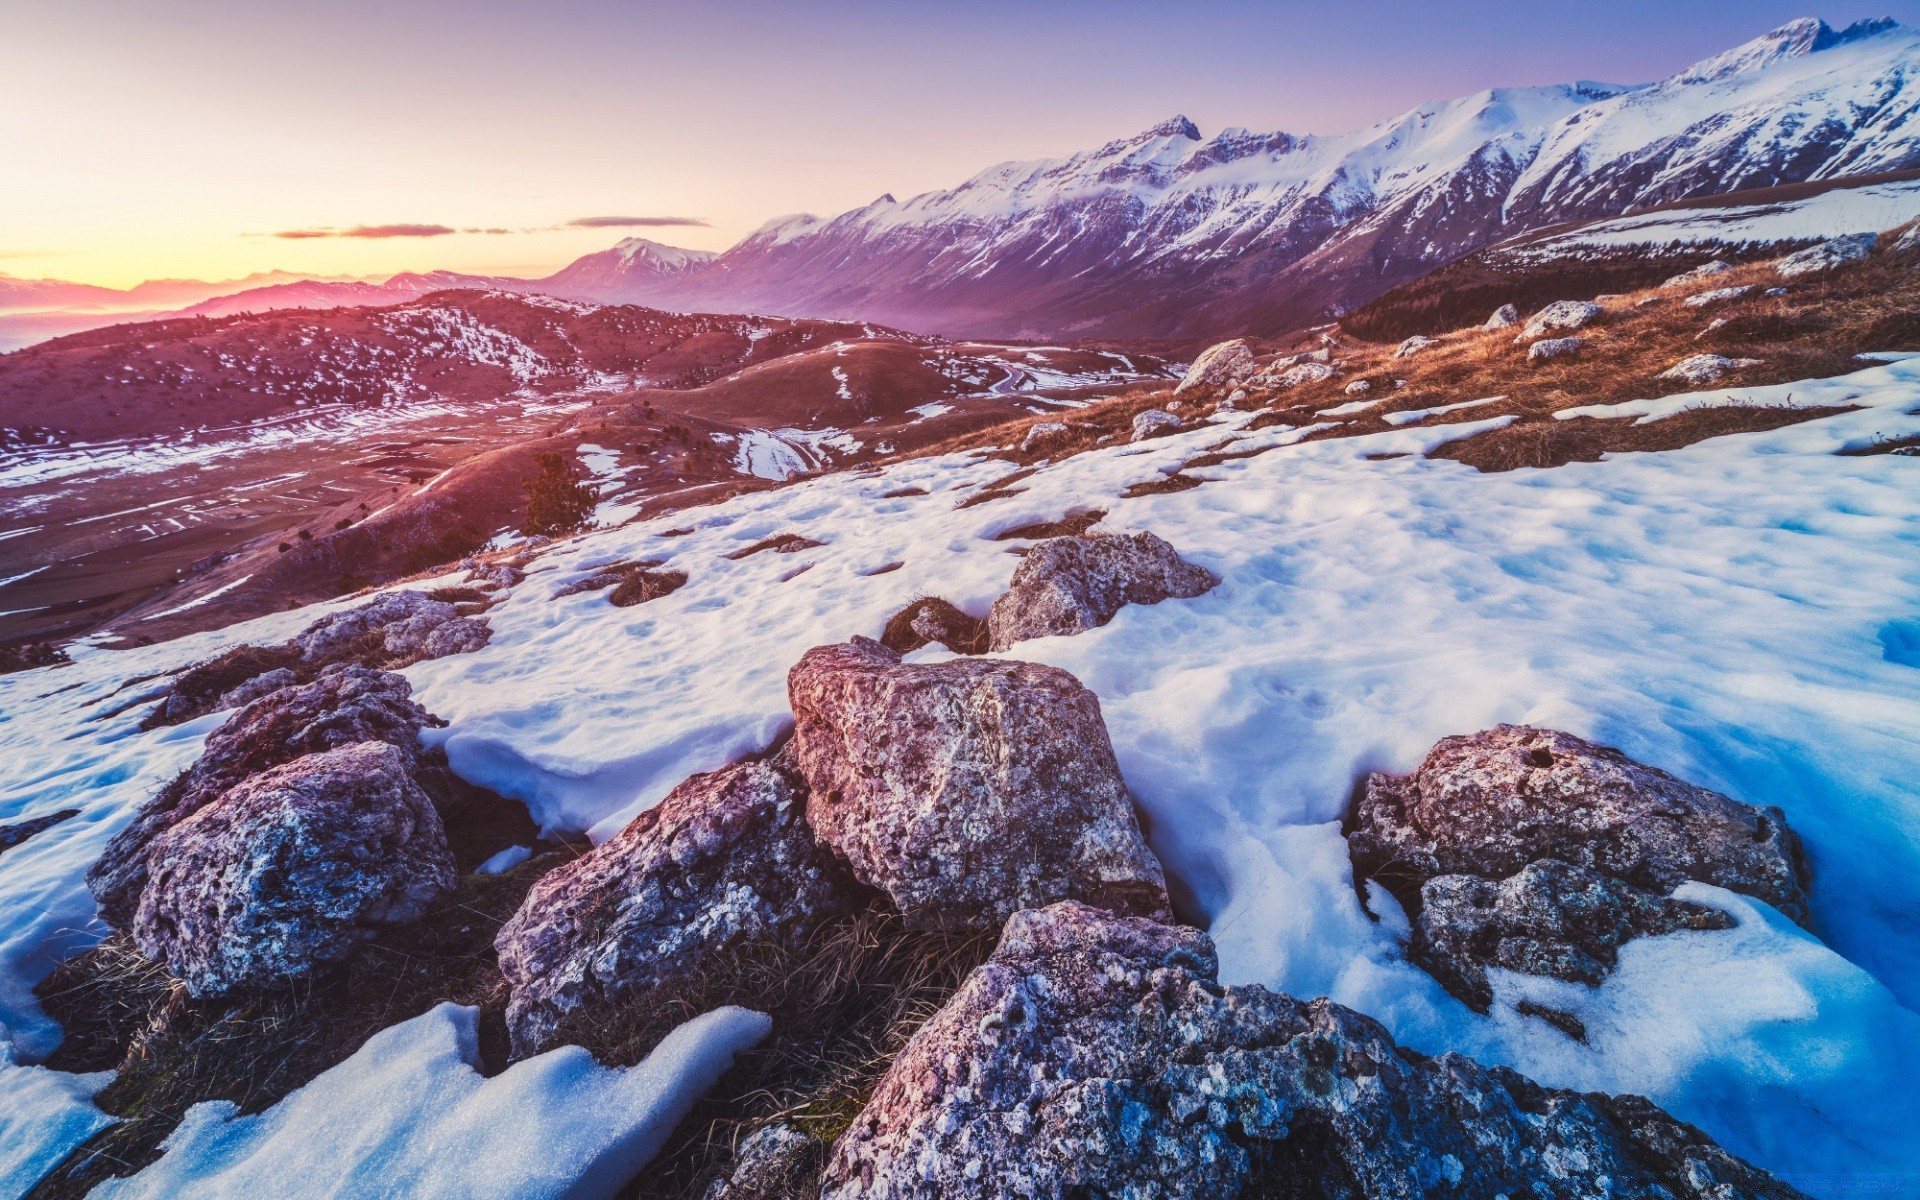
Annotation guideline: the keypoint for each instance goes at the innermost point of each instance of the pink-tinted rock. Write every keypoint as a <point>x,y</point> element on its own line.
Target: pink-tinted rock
<point>291,869</point>
<point>1068,585</point>
<point>967,790</point>
<point>725,858</point>
<point>1098,1055</point>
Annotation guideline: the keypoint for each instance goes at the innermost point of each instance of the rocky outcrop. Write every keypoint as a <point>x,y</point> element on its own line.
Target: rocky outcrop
<point>1828,255</point>
<point>1717,295</point>
<point>1504,317</point>
<point>292,868</point>
<point>1705,368</point>
<point>1561,315</point>
<point>969,789</point>
<point>1070,585</point>
<point>1554,348</point>
<point>1219,365</point>
<point>394,625</point>
<point>726,857</point>
<point>1414,345</point>
<point>1097,1055</point>
<point>1304,373</point>
<point>775,1162</point>
<point>1541,852</point>
<point>1706,270</point>
<point>1152,423</point>
<point>345,706</point>
<point>1042,434</point>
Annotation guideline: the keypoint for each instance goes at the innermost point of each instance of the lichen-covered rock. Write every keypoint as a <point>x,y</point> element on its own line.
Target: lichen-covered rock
<point>260,685</point>
<point>344,706</point>
<point>1358,387</point>
<point>1097,1055</point>
<point>1414,345</point>
<point>726,857</point>
<point>1042,434</point>
<point>1567,315</point>
<point>1069,585</point>
<point>462,635</point>
<point>1828,255</point>
<point>968,789</point>
<point>1304,373</point>
<point>1705,270</point>
<point>1706,368</point>
<point>1153,422</point>
<point>496,576</point>
<point>1540,852</point>
<point>775,1162</point>
<point>291,869</point>
<point>396,622</point>
<point>1554,348</point>
<point>1504,317</point>
<point>1218,365</point>
<point>1717,295</point>
<point>1548,918</point>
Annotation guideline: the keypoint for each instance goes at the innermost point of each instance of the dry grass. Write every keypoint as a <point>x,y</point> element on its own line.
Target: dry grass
<point>959,632</point>
<point>1072,525</point>
<point>1162,486</point>
<point>641,586</point>
<point>785,543</point>
<point>1548,442</point>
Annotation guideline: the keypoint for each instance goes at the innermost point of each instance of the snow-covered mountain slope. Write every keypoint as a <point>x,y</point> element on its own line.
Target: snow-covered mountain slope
<point>631,268</point>
<point>1168,233</point>
<point>1743,613</point>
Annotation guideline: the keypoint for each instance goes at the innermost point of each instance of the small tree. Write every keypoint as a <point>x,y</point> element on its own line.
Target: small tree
<point>559,500</point>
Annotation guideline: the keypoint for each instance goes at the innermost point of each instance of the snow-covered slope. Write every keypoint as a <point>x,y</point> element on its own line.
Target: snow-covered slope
<point>1172,233</point>
<point>1743,613</point>
<point>631,269</point>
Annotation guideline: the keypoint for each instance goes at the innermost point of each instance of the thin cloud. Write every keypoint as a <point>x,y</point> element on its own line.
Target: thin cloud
<point>369,231</point>
<point>631,222</point>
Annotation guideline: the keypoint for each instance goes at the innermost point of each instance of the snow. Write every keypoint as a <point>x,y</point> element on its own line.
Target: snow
<point>1839,212</point>
<point>43,1115</point>
<point>409,1115</point>
<point>1742,613</point>
<point>1420,414</point>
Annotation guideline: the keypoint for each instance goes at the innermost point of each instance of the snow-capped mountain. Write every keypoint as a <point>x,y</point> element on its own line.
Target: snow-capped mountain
<point>630,268</point>
<point>1170,233</point>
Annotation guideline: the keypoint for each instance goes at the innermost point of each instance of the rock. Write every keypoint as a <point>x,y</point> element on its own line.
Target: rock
<point>1498,804</point>
<point>345,706</point>
<point>461,635</point>
<point>1153,422</point>
<point>1705,368</point>
<point>1561,314</point>
<point>1828,255</point>
<point>1705,270</point>
<point>1069,585</point>
<point>1554,348</point>
<point>1414,345</point>
<point>968,789</point>
<point>291,869</point>
<point>208,686</point>
<point>1702,299</point>
<point>1097,1055</point>
<point>1043,433</point>
<point>1504,317</point>
<point>1234,399</point>
<point>1358,387</point>
<point>726,857</point>
<point>1776,291</point>
<point>775,1162</point>
<point>1548,918</point>
<point>1219,365</point>
<point>394,624</point>
<point>495,576</point>
<point>260,685</point>
<point>1306,372</point>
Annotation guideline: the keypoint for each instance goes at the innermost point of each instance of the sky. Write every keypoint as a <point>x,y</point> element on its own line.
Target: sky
<point>189,139</point>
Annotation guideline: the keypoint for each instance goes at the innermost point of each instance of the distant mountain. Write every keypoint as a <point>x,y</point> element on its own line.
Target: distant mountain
<point>1171,234</point>
<point>633,267</point>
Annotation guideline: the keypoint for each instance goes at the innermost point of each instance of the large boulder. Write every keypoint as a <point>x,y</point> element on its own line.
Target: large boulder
<point>1154,422</point>
<point>1554,348</point>
<point>1562,315</point>
<point>1098,1055</point>
<point>968,789</point>
<point>726,857</point>
<point>1484,830</point>
<point>1504,317</point>
<point>394,625</point>
<point>1069,585</point>
<point>1828,255</point>
<point>293,868</point>
<point>347,705</point>
<point>1219,365</point>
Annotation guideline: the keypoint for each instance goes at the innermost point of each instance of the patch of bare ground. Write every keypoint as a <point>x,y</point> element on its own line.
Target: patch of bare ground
<point>1547,442</point>
<point>1162,486</point>
<point>1071,525</point>
<point>931,619</point>
<point>785,543</point>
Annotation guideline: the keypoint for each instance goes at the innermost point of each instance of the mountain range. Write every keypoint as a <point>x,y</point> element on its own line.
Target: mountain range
<point>1169,234</point>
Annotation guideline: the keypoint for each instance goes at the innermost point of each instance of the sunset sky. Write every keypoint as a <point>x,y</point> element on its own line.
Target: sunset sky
<point>142,140</point>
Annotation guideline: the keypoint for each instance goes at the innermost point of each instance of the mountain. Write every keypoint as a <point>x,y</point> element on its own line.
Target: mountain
<point>632,268</point>
<point>1171,234</point>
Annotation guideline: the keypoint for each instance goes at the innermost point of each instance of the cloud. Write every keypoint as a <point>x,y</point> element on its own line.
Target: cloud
<point>369,231</point>
<point>631,222</point>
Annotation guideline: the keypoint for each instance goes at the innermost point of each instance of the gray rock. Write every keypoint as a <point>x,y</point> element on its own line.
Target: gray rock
<point>342,707</point>
<point>969,789</point>
<point>1414,345</point>
<point>1043,433</point>
<point>1549,918</point>
<point>1706,368</point>
<point>1832,253</point>
<point>726,857</point>
<point>1567,315</point>
<point>397,622</point>
<point>1098,1055</point>
<point>1152,423</point>
<point>1554,348</point>
<point>495,576</point>
<point>1504,317</point>
<point>1358,387</point>
<point>775,1162</point>
<point>1706,270</point>
<point>1510,808</point>
<point>1069,585</point>
<point>461,635</point>
<point>1306,372</point>
<point>1218,365</point>
<point>1717,295</point>
<point>260,685</point>
<point>294,868</point>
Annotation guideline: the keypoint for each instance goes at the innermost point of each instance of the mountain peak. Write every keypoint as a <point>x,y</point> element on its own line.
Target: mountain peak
<point>1795,39</point>
<point>1177,126</point>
